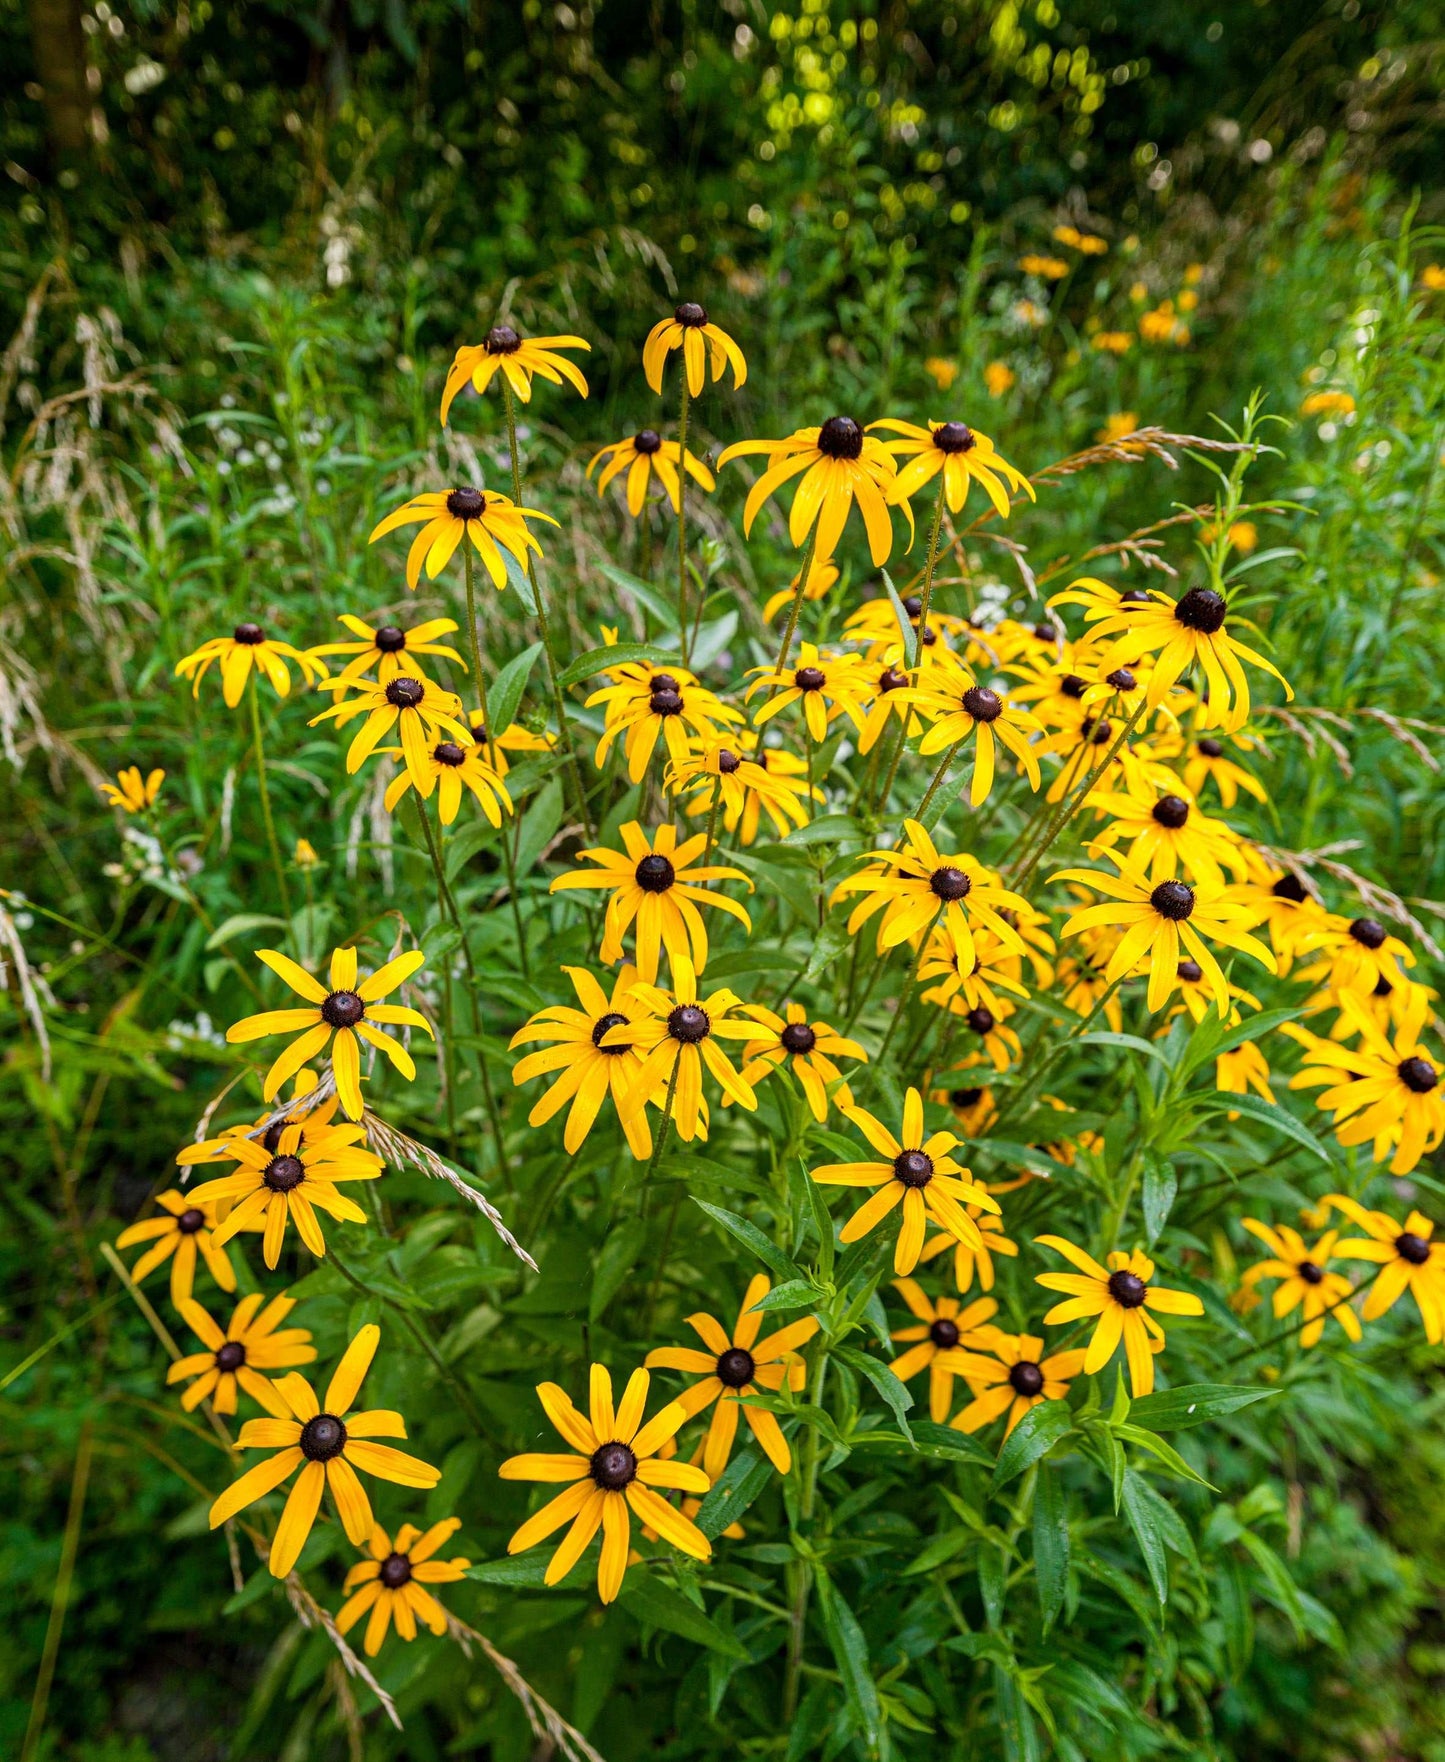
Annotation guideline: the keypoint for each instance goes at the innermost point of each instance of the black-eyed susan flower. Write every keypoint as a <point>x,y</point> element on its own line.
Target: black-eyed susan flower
<point>1167,835</point>
<point>918,1173</point>
<point>316,1123</point>
<point>1162,922</point>
<point>805,1048</point>
<point>1126,1303</point>
<point>1278,900</point>
<point>518,359</point>
<point>822,575</point>
<point>328,1442</point>
<point>969,1259</point>
<point>1208,761</point>
<point>843,466</point>
<point>913,885</point>
<point>1306,1282</point>
<point>421,713</point>
<point>1407,1258</point>
<point>1016,1377</point>
<point>657,885</point>
<point>957,705</point>
<point>703,344</point>
<point>392,1583</point>
<point>1356,954</point>
<point>751,781</point>
<point>512,739</point>
<point>246,647</point>
<point>827,686</point>
<point>943,1330</point>
<point>1380,1091</point>
<point>253,1341</point>
<point>182,1231</point>
<point>960,453</point>
<point>736,1365</point>
<point>131,793</point>
<point>973,1106</point>
<point>449,769</point>
<point>1182,634</point>
<point>643,456</point>
<point>291,1184</point>
<point>490,522</point>
<point>676,1033</point>
<point>1242,1069</point>
<point>891,699</point>
<point>614,1468</point>
<point>589,1070</point>
<point>388,647</point>
<point>992,1038</point>
<point>347,1009</point>
<point>644,705</point>
<point>932,640</point>
<point>985,982</point>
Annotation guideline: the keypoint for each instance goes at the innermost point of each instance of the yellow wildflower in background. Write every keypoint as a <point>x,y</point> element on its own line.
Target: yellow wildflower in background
<point>644,456</point>
<point>518,358</point>
<point>332,1442</point>
<point>1306,1282</point>
<point>1327,403</point>
<point>998,378</point>
<point>941,372</point>
<point>822,574</point>
<point>246,647</point>
<point>615,1467</point>
<point>129,793</point>
<point>183,1232</point>
<point>1125,1302</point>
<point>1050,268</point>
<point>1113,342</point>
<point>253,1341</point>
<point>304,856</point>
<point>390,1583</point>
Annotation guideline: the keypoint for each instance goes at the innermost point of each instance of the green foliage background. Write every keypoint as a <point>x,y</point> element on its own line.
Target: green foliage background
<point>230,316</point>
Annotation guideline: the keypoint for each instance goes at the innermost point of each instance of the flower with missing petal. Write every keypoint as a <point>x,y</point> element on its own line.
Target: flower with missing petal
<point>957,705</point>
<point>518,359</point>
<point>840,465</point>
<point>391,1582</point>
<point>1124,1300</point>
<point>328,1442</point>
<point>733,1367</point>
<point>1306,1283</point>
<point>449,768</point>
<point>960,453</point>
<point>643,456</point>
<point>1407,1258</point>
<point>1015,1378</point>
<point>703,344</point>
<point>246,647</point>
<point>132,794</point>
<point>182,1231</point>
<point>751,779</point>
<point>347,1009</point>
<point>253,1341</point>
<point>386,646</point>
<point>489,522</point>
<point>804,1048</point>
<point>614,1469</point>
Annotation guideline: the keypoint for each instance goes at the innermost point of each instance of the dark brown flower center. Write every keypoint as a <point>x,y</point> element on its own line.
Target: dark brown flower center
<point>913,1168</point>
<point>1201,609</point>
<point>404,692</point>
<point>1418,1075</point>
<point>728,762</point>
<point>655,874</point>
<point>981,1020</point>
<point>191,1220</point>
<point>466,504</point>
<point>798,1037</point>
<point>271,1137</point>
<point>1046,633</point>
<point>1309,1272</point>
<point>343,1009</point>
<point>503,340</point>
<point>949,884</point>
<point>284,1174</point>
<point>1127,1289</point>
<point>447,752</point>
<point>954,437</point>
<point>810,679</point>
<point>1026,1378</point>
<point>1413,1248</point>
<point>913,605</point>
<point>1173,900</point>
<point>943,1333</point>
<point>964,1097</point>
<point>322,1438</point>
<point>395,1571</point>
<point>249,634</point>
<point>1072,686</point>
<point>735,1368</point>
<point>1190,972</point>
<point>664,702</point>
<point>1135,596</point>
<point>604,1026</point>
<point>389,639</point>
<point>840,437</point>
<point>982,704</point>
<point>1368,933</point>
<point>689,1024</point>
<point>1122,679</point>
<point>613,1467</point>
<point>1290,887</point>
<point>1171,811</point>
<point>1211,749</point>
<point>646,441</point>
<point>690,315</point>
<point>231,1356</point>
<point>1382,987</point>
<point>890,679</point>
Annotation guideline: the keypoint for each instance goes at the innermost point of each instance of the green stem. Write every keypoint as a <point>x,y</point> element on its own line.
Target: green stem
<point>60,1598</point>
<point>790,628</point>
<point>265,793</point>
<point>682,519</point>
<point>907,993</point>
<point>944,763</point>
<point>559,703</point>
<point>803,1575</point>
<point>929,567</point>
<point>887,789</point>
<point>662,1129</point>
<point>1071,806</point>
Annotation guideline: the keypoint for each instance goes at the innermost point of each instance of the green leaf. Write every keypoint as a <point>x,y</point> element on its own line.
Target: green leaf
<point>826,829</point>
<point>1175,1410</point>
<point>1157,1528</point>
<point>823,1223</point>
<point>597,661</point>
<point>1130,1042</point>
<point>1253,1027</point>
<point>1161,1186</point>
<point>751,1237</point>
<point>911,637</point>
<point>618,1256</point>
<point>645,595</point>
<point>850,1650</point>
<point>505,692</point>
<point>238,925</point>
<point>656,1604</point>
<point>796,1294</point>
<point>733,1492</point>
<point>932,1439</point>
<point>1166,1453</point>
<point>539,826</point>
<point>1051,1544</point>
<point>1034,1436</point>
<point>1269,1113</point>
<point>883,1380</point>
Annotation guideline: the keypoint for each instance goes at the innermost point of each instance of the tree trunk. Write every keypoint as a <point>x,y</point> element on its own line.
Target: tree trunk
<point>59,45</point>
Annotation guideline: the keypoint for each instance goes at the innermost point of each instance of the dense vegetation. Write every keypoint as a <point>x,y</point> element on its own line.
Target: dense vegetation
<point>230,300</point>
